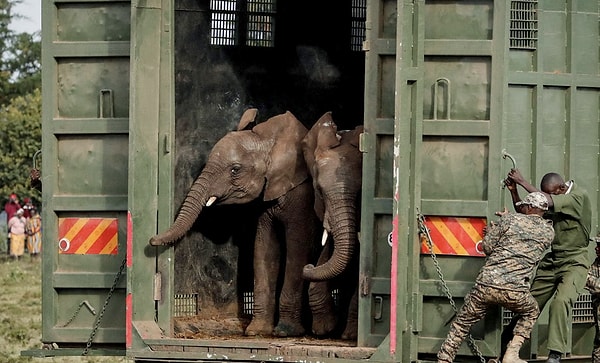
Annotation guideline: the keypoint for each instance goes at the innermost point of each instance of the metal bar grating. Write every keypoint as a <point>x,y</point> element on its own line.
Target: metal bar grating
<point>358,24</point>
<point>185,305</point>
<point>261,21</point>
<point>249,22</point>
<point>248,303</point>
<point>582,311</point>
<point>523,24</point>
<point>223,22</point>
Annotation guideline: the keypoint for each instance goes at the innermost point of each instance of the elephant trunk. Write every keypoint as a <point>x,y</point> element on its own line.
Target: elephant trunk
<point>190,210</point>
<point>343,219</point>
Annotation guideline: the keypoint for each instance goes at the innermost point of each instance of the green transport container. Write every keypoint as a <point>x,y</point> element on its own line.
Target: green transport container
<point>452,94</point>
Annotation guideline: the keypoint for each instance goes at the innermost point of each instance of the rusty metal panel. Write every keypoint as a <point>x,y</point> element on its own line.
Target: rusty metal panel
<point>93,87</point>
<point>93,21</point>
<point>84,169</point>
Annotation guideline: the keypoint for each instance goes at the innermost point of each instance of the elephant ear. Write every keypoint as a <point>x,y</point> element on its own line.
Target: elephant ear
<point>248,117</point>
<point>353,136</point>
<point>287,168</point>
<point>321,136</point>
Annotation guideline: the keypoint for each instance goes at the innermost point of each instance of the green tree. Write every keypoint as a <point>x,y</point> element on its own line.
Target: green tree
<point>20,138</point>
<point>20,104</point>
<point>20,58</point>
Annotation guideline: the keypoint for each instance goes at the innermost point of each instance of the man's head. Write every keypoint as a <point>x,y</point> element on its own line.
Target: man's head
<point>553,183</point>
<point>20,212</point>
<point>534,203</point>
<point>13,198</point>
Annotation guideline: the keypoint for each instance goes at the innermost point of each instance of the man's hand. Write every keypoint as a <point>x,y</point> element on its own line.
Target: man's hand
<point>510,184</point>
<point>516,177</point>
<point>502,212</point>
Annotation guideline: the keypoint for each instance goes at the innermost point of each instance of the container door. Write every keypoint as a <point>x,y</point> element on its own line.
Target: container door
<point>150,171</point>
<point>463,90</point>
<point>552,118</point>
<point>84,172</point>
<point>427,143</point>
<point>458,164</point>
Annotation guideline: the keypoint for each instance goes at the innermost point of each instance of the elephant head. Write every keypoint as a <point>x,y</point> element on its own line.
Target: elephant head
<point>335,163</point>
<point>264,162</point>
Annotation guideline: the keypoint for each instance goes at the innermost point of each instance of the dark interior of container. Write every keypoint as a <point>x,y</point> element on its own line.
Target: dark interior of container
<point>300,56</point>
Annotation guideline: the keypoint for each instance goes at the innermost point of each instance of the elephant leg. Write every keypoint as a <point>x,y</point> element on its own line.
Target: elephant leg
<point>351,330</point>
<point>266,270</point>
<point>292,292</point>
<point>321,301</point>
<point>299,222</point>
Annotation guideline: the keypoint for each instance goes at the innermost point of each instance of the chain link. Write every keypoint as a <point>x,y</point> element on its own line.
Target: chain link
<point>74,315</point>
<point>424,231</point>
<point>101,315</point>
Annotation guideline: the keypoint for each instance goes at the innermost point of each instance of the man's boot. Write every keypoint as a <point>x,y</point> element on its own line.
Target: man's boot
<point>554,357</point>
<point>512,350</point>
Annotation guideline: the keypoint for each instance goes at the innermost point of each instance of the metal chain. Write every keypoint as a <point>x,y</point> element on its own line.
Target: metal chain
<point>101,315</point>
<point>425,231</point>
<point>87,304</point>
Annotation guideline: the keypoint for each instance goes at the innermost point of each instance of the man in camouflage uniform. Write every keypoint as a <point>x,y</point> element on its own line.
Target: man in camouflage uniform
<point>593,285</point>
<point>560,277</point>
<point>514,246</point>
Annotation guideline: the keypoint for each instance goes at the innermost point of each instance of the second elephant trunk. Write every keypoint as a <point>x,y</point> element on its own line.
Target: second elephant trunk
<point>190,210</point>
<point>345,241</point>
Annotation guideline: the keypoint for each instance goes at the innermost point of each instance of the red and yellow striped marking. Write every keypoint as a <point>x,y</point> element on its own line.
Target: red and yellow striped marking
<point>454,236</point>
<point>88,236</point>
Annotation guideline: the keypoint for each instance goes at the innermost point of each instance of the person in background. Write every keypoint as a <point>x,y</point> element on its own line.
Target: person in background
<point>514,246</point>
<point>27,207</point>
<point>562,273</point>
<point>592,284</point>
<point>33,229</point>
<point>35,179</point>
<point>11,207</point>
<point>16,228</point>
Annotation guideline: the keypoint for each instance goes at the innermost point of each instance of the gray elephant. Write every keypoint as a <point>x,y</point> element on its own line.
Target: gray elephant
<point>265,162</point>
<point>335,163</point>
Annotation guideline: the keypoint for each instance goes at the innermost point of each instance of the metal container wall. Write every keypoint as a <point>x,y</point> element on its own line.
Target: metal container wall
<point>448,85</point>
<point>457,83</point>
<point>85,169</point>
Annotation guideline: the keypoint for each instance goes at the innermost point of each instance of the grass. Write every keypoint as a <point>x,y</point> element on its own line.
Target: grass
<point>21,313</point>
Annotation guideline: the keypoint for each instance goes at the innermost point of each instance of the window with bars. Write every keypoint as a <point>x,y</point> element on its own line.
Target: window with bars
<point>359,18</point>
<point>242,22</point>
<point>252,23</point>
<point>523,24</point>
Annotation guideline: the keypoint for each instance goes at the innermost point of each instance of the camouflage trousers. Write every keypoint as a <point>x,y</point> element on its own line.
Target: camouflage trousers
<point>596,312</point>
<point>476,304</point>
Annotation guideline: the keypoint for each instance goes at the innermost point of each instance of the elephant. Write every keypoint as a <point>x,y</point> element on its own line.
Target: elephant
<point>263,164</point>
<point>335,164</point>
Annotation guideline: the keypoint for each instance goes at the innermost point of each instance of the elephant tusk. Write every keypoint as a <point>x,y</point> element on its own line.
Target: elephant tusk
<point>324,238</point>
<point>211,200</point>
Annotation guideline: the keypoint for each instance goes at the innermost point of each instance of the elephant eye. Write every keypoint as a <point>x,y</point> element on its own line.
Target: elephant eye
<point>235,169</point>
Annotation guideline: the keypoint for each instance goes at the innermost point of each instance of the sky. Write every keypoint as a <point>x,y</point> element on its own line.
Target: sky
<point>31,10</point>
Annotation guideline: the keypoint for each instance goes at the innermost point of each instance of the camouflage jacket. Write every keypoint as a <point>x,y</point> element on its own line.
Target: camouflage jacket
<point>514,246</point>
<point>593,278</point>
